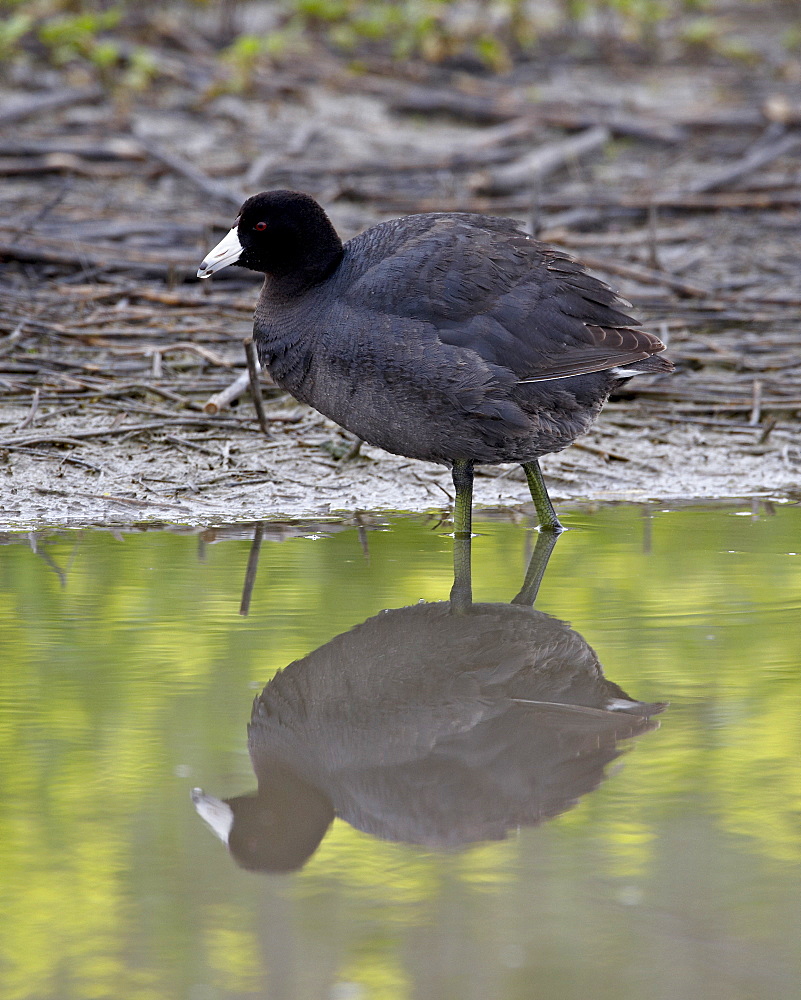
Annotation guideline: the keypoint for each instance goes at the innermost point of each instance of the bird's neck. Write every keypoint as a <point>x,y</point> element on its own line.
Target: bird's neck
<point>284,287</point>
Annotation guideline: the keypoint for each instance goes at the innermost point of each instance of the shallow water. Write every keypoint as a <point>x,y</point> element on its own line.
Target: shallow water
<point>644,853</point>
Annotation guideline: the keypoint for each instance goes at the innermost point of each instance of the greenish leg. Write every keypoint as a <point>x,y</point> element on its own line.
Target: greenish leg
<point>542,502</point>
<point>536,567</point>
<point>463,505</point>
<point>462,589</point>
<point>462,592</point>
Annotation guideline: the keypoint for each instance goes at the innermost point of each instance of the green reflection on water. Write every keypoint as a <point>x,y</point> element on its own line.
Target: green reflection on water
<point>128,677</point>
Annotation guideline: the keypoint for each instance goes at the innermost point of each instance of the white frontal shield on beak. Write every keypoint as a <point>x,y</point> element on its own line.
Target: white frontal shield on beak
<point>226,252</point>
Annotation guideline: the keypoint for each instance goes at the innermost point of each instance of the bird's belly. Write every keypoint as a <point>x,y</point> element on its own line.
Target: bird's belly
<point>405,420</point>
<point>394,420</point>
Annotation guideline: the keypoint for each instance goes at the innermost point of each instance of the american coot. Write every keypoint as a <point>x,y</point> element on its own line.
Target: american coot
<point>452,338</point>
<point>430,727</point>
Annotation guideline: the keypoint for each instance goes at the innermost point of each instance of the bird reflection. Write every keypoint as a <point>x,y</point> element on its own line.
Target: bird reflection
<point>439,724</point>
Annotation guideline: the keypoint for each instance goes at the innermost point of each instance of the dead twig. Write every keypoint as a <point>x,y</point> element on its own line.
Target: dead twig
<point>540,162</point>
<point>192,173</point>
<point>647,275</point>
<point>677,201</point>
<point>756,409</point>
<point>31,414</point>
<point>233,391</point>
<point>12,340</point>
<point>653,239</point>
<point>35,248</point>
<point>33,105</point>
<point>252,569</point>
<point>501,105</point>
<point>270,161</point>
<point>758,157</point>
<point>58,163</point>
<point>202,352</point>
<point>607,454</point>
<point>683,233</point>
<point>66,459</point>
<point>255,389</point>
<point>767,430</point>
<point>79,436</point>
<point>131,501</point>
<point>108,149</point>
<point>183,442</point>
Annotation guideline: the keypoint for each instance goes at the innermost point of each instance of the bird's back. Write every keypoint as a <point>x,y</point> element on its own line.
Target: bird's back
<point>447,336</point>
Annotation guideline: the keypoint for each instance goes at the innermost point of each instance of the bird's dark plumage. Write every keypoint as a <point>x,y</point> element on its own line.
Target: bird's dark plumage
<point>428,727</point>
<point>451,338</point>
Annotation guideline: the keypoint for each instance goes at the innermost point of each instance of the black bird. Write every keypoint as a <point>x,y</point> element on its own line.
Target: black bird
<point>452,338</point>
<point>435,724</point>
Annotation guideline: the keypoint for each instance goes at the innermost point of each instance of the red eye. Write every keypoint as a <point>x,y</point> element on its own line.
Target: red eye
<point>260,226</point>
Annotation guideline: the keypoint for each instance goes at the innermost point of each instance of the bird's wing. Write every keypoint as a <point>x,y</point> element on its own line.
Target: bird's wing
<point>486,287</point>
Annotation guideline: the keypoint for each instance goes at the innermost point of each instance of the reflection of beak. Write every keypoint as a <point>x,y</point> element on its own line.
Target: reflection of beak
<point>226,252</point>
<point>215,812</point>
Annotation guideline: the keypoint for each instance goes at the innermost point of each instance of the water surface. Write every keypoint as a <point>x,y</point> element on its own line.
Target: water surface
<point>636,852</point>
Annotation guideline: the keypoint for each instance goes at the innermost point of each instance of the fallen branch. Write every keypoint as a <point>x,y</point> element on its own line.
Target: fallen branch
<point>78,437</point>
<point>648,275</point>
<point>179,165</point>
<point>600,201</point>
<point>233,391</point>
<point>255,389</point>
<point>252,568</point>
<point>32,247</point>
<point>539,163</point>
<point>755,159</point>
<point>131,501</point>
<point>28,419</point>
<point>271,162</point>
<point>631,237</point>
<point>58,163</point>
<point>34,105</point>
<point>202,352</point>
<point>504,105</point>
<point>109,149</point>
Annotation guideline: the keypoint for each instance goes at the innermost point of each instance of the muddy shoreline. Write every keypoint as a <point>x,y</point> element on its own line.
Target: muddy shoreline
<point>687,200</point>
<point>240,477</point>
